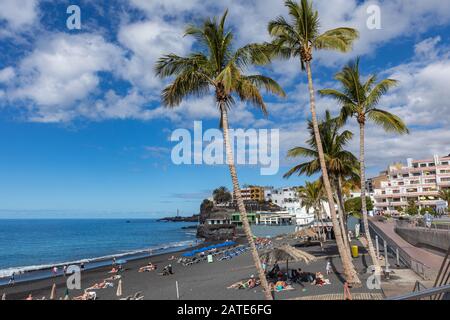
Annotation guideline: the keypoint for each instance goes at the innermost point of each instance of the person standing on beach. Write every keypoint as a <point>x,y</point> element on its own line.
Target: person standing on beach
<point>55,271</point>
<point>328,267</point>
<point>12,279</point>
<point>65,270</point>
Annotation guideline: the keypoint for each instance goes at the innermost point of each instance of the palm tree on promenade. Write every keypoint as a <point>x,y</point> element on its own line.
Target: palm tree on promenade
<point>298,38</point>
<point>340,163</point>
<point>360,100</point>
<point>218,67</point>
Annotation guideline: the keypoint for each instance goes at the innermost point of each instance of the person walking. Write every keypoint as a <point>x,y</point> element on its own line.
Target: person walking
<point>12,279</point>
<point>328,268</point>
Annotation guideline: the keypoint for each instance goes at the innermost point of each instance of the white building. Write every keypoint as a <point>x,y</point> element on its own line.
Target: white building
<point>275,218</point>
<point>419,182</point>
<point>287,199</point>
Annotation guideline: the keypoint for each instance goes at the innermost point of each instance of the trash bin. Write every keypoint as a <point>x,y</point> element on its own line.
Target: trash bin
<point>355,252</point>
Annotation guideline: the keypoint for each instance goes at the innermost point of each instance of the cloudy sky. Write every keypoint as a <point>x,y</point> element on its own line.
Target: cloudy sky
<point>81,124</point>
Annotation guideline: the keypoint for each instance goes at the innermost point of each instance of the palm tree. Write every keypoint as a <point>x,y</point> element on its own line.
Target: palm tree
<point>444,194</point>
<point>298,38</point>
<point>340,163</point>
<point>219,67</point>
<point>360,100</point>
<point>311,197</point>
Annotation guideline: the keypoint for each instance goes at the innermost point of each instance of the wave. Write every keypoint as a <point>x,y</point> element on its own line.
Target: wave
<point>150,250</point>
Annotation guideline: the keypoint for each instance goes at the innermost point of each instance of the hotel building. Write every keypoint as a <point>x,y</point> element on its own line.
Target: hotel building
<point>418,181</point>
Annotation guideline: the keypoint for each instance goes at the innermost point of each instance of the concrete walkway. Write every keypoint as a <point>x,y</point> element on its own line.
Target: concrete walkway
<point>429,259</point>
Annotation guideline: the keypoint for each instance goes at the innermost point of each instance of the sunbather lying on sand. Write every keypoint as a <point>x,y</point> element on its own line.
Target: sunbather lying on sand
<point>167,270</point>
<point>101,285</point>
<point>172,258</point>
<point>114,270</point>
<point>320,280</point>
<point>86,296</point>
<point>246,284</point>
<point>280,286</point>
<point>114,277</point>
<point>147,268</point>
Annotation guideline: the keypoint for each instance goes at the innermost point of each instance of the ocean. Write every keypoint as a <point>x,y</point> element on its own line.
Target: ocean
<point>29,245</point>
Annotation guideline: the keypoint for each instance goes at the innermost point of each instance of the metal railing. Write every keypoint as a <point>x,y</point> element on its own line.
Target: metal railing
<point>441,291</point>
<point>424,271</point>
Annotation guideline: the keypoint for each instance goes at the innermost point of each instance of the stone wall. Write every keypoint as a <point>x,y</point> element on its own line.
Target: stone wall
<point>438,239</point>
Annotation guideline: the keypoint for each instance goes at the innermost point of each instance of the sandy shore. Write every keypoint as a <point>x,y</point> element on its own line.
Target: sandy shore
<point>201,281</point>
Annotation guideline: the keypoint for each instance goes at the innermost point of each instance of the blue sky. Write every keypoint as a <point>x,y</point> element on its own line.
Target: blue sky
<point>83,132</point>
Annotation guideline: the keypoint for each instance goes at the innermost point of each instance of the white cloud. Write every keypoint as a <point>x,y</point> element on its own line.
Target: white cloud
<point>19,14</point>
<point>7,74</point>
<point>148,41</point>
<point>63,69</point>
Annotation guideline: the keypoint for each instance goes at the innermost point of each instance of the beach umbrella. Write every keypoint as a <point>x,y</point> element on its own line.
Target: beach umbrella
<point>53,293</point>
<point>119,288</point>
<point>4,296</point>
<point>305,233</point>
<point>286,252</point>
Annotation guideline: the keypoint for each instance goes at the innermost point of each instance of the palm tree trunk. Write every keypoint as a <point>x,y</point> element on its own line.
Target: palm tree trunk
<point>349,269</point>
<point>241,206</point>
<point>363,199</point>
<point>342,204</point>
<point>341,217</point>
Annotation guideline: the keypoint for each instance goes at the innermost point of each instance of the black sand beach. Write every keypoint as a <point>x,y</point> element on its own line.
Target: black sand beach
<point>201,281</point>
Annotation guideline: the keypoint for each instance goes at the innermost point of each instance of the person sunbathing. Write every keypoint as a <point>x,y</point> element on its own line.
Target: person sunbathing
<point>101,285</point>
<point>148,268</point>
<point>86,296</point>
<point>113,270</point>
<point>167,270</point>
<point>114,277</point>
<point>251,283</point>
<point>30,297</point>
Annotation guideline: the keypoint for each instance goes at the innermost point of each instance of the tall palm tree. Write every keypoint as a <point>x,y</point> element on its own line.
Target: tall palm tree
<point>218,67</point>
<point>360,99</point>
<point>444,194</point>
<point>311,197</point>
<point>298,38</point>
<point>340,163</point>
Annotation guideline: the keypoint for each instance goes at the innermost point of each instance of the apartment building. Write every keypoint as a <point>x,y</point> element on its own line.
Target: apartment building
<point>418,181</point>
<point>287,199</point>
<point>252,193</point>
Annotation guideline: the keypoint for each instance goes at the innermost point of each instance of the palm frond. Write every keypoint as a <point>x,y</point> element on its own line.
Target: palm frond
<point>340,39</point>
<point>380,89</point>
<point>390,122</point>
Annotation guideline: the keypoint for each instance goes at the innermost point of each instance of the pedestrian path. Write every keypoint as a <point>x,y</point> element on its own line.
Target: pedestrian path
<point>427,258</point>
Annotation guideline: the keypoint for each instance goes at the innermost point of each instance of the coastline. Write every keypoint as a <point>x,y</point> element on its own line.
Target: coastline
<point>39,286</point>
<point>200,281</point>
<point>30,273</point>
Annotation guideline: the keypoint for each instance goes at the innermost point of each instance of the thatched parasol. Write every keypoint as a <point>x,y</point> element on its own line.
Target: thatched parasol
<point>286,252</point>
<point>305,233</point>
